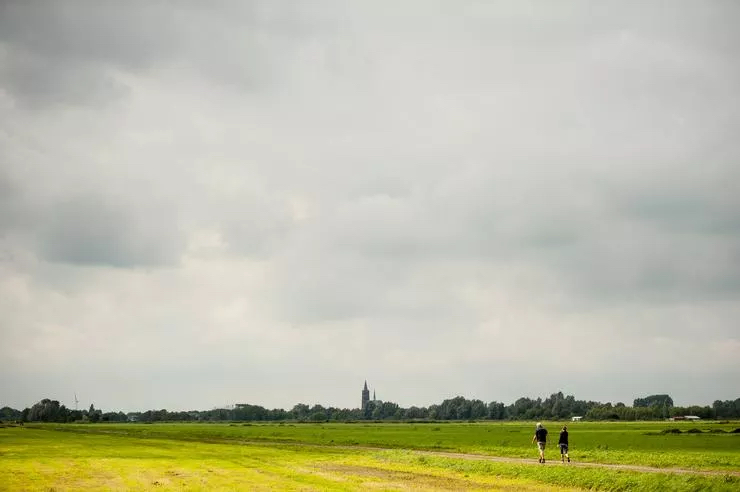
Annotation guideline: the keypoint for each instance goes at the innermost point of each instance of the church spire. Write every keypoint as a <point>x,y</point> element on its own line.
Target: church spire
<point>365,396</point>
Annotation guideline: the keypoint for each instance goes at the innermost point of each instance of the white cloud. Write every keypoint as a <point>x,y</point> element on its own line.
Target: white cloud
<point>273,202</point>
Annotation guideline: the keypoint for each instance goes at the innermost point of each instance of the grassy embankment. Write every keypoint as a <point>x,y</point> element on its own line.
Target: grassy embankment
<point>309,456</point>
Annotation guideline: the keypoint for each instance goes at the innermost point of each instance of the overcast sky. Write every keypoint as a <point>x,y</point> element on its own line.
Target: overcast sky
<point>272,201</point>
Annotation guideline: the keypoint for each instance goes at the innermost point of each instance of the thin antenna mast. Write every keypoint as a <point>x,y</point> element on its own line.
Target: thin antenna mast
<point>76,401</point>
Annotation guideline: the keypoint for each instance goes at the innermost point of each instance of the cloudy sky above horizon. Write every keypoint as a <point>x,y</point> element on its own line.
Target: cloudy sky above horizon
<point>273,201</point>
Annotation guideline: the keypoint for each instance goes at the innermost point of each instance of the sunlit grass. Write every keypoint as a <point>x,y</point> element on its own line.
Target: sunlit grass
<point>342,457</point>
<point>42,460</point>
<point>624,443</point>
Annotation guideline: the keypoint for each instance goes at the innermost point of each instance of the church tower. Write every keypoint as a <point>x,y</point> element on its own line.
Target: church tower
<point>365,396</point>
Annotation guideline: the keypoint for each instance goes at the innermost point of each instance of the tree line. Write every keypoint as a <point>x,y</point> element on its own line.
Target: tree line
<point>555,407</point>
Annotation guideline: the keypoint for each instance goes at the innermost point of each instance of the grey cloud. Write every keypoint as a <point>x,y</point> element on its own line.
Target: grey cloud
<point>10,214</point>
<point>653,246</point>
<point>43,81</point>
<point>94,230</point>
<point>132,35</point>
<point>88,228</point>
<point>255,230</point>
<point>86,46</point>
<point>66,52</point>
<point>414,191</point>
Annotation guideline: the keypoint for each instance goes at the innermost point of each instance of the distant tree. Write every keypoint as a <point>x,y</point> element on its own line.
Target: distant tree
<point>726,409</point>
<point>496,411</point>
<point>478,409</point>
<point>416,413</point>
<point>556,406</point>
<point>372,410</point>
<point>300,411</point>
<point>249,412</point>
<point>316,409</point>
<point>114,417</point>
<point>93,414</point>
<point>7,413</point>
<point>277,414</point>
<point>47,410</point>
<point>654,401</point>
<point>705,412</point>
<point>389,410</point>
<point>522,408</point>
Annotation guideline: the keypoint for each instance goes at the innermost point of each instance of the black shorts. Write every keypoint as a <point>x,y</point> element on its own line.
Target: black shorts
<point>563,448</point>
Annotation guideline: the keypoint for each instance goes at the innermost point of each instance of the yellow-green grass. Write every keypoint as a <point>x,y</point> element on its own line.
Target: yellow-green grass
<point>619,443</point>
<point>253,457</point>
<point>36,459</point>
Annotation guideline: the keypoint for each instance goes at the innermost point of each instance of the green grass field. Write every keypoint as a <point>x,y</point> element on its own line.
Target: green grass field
<point>361,456</point>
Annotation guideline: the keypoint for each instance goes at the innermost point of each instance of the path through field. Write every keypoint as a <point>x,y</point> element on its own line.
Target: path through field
<point>557,462</point>
<point>525,461</point>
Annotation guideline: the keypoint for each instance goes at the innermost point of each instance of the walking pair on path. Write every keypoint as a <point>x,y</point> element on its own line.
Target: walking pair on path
<point>540,437</point>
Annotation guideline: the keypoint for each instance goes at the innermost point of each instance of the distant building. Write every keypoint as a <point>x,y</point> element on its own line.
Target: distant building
<point>685,417</point>
<point>365,396</point>
<point>576,419</point>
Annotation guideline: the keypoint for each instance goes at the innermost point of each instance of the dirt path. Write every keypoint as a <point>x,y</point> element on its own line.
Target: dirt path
<point>521,461</point>
<point>637,468</point>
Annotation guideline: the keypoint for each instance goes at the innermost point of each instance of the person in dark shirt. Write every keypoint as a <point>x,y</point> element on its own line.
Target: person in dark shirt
<point>563,443</point>
<point>540,437</point>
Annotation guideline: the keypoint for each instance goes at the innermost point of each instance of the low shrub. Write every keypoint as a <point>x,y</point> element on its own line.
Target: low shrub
<point>671,431</point>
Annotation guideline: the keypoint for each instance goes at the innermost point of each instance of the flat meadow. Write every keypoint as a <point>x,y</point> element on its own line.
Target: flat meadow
<point>356,456</point>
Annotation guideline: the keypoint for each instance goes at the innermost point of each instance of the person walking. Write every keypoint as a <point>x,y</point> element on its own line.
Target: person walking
<point>563,443</point>
<point>540,437</point>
